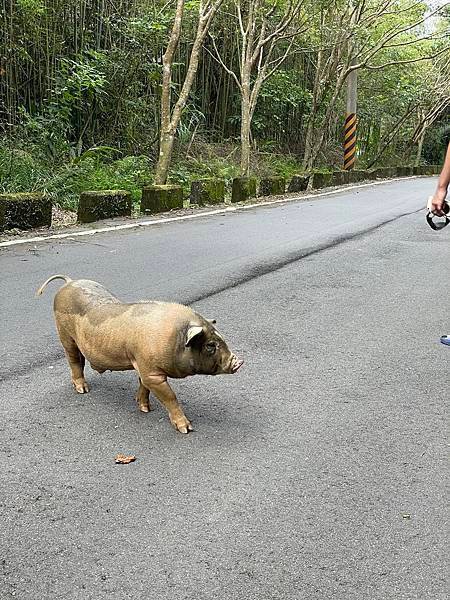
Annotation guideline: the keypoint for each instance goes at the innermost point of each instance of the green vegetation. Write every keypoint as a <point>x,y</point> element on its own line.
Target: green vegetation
<point>81,91</point>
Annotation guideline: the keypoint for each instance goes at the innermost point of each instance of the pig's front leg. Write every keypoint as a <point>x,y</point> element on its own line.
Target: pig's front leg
<point>166,396</point>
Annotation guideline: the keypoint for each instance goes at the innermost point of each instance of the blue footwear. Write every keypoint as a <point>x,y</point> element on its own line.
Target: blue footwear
<point>445,339</point>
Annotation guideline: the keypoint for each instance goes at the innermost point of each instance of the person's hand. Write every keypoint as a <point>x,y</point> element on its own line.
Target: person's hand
<point>436,202</point>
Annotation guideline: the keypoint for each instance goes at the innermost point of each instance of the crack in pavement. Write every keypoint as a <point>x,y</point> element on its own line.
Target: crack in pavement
<point>265,268</point>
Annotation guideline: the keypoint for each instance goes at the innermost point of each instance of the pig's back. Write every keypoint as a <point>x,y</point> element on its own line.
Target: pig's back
<point>79,297</point>
<point>164,322</point>
<point>154,312</point>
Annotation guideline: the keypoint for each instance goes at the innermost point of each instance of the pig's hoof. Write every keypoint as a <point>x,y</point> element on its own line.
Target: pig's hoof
<point>143,404</point>
<point>81,386</point>
<point>181,424</point>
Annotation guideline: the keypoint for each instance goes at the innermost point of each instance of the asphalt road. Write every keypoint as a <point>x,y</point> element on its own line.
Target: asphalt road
<point>315,473</point>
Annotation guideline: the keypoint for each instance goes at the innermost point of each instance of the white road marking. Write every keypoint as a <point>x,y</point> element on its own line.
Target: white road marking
<point>136,225</point>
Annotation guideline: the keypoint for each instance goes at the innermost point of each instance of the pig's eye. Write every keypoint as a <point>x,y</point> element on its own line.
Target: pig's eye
<point>210,347</point>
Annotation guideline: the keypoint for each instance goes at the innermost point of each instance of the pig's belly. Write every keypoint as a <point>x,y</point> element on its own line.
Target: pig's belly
<point>104,354</point>
<point>101,361</point>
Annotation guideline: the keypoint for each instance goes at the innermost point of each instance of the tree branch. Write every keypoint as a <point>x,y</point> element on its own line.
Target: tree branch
<point>444,35</point>
<point>401,62</point>
<point>394,131</point>
<point>219,59</point>
<point>394,33</point>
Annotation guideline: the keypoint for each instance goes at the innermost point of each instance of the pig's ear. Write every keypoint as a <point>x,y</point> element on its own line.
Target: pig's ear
<point>192,333</point>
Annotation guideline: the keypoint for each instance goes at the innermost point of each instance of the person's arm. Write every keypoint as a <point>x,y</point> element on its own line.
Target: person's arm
<point>437,202</point>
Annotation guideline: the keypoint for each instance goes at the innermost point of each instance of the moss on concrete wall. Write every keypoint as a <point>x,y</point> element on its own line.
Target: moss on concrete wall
<point>25,210</point>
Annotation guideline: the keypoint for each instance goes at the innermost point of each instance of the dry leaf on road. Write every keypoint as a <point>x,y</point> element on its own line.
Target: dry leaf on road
<point>122,459</point>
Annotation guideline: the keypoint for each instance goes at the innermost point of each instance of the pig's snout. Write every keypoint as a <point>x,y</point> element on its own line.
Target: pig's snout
<point>235,364</point>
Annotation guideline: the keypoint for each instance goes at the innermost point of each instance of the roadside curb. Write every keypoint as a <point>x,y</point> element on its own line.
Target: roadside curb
<point>234,208</point>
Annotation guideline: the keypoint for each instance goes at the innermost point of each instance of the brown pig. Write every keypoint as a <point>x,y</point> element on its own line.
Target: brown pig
<point>157,339</point>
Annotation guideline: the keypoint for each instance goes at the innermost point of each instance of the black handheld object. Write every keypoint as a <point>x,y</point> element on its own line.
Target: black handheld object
<point>436,222</point>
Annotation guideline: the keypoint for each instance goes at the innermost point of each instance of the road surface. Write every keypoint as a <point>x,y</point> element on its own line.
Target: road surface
<point>315,473</point>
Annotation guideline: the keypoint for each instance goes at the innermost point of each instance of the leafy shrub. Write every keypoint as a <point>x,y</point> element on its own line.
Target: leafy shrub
<point>22,171</point>
<point>130,173</point>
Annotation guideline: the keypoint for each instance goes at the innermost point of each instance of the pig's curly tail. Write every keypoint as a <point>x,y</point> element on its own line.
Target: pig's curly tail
<point>44,285</point>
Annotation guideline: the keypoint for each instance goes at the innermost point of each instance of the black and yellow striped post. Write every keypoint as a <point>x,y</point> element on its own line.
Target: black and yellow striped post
<point>350,122</point>
<point>349,141</point>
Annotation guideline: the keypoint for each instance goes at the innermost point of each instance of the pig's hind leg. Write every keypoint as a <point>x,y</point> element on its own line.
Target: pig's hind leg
<point>142,396</point>
<point>76,363</point>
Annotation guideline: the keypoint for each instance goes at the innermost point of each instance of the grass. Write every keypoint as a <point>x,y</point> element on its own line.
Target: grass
<point>23,170</point>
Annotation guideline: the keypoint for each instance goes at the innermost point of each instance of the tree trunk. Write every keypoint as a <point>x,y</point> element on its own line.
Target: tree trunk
<point>308,139</point>
<point>313,153</point>
<point>170,117</point>
<point>312,116</point>
<point>245,135</point>
<point>166,135</point>
<point>164,158</point>
<point>246,118</point>
<point>419,147</point>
